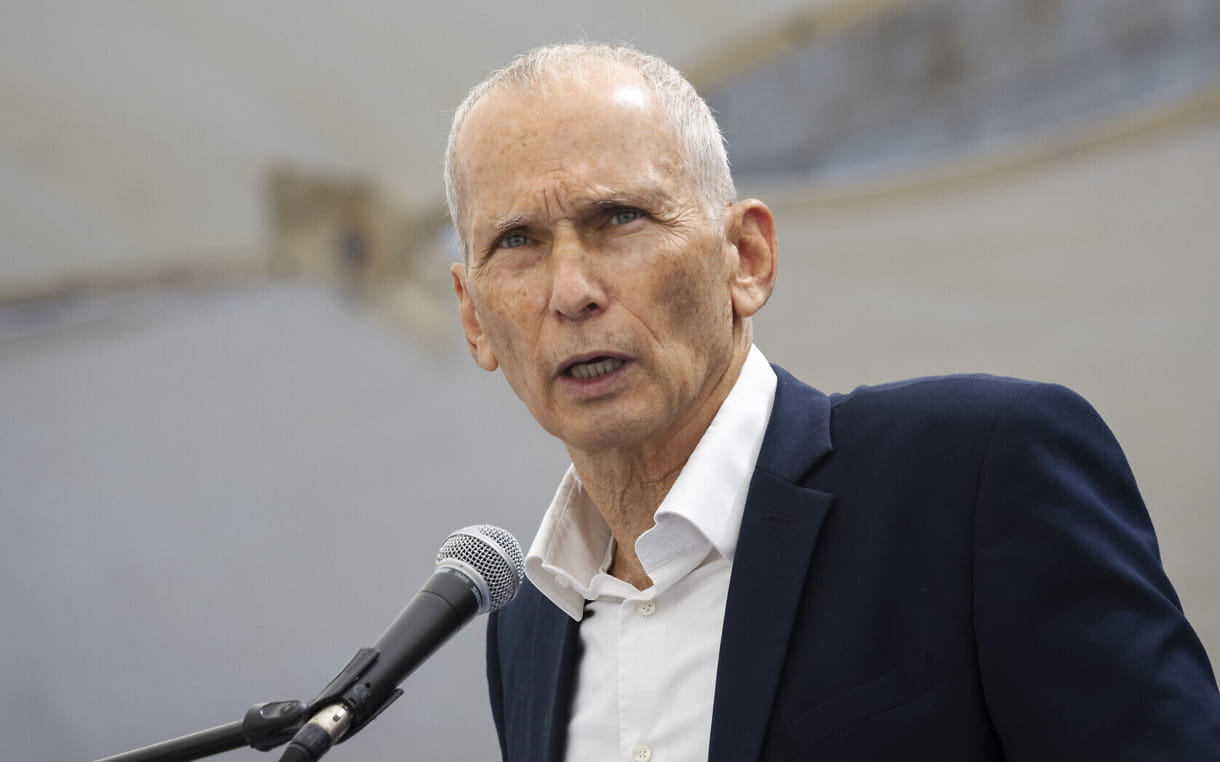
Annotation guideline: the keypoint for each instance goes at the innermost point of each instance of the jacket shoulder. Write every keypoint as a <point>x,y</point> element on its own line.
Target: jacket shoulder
<point>971,396</point>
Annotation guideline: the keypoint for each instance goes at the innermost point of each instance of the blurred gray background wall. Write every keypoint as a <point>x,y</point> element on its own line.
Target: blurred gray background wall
<point>237,418</point>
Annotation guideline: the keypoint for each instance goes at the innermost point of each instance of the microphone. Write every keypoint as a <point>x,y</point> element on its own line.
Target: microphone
<point>478,569</point>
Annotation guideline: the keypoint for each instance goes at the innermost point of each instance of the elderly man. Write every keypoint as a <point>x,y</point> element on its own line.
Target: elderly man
<point>736,566</point>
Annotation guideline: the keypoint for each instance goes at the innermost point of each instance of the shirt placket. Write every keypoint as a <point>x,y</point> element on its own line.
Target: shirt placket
<point>640,678</point>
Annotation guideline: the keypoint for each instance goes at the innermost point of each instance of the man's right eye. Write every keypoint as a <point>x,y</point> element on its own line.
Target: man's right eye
<point>512,241</point>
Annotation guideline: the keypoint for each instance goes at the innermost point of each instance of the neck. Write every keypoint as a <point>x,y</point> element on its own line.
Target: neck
<point>628,483</point>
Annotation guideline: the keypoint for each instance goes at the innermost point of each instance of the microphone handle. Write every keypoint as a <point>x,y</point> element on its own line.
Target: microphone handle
<point>446,602</point>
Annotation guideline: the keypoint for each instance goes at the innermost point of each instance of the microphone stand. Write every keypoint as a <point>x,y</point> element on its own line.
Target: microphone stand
<point>266,725</point>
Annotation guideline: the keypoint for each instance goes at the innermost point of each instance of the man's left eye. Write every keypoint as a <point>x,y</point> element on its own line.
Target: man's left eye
<point>625,215</point>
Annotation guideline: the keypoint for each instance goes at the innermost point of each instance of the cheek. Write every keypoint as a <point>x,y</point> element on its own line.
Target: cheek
<point>698,302</point>
<point>510,312</point>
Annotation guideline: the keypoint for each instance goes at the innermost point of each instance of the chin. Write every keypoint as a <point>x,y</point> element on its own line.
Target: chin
<point>609,432</point>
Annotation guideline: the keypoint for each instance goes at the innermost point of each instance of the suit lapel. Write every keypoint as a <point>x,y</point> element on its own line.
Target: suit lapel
<point>778,533</point>
<point>559,711</point>
<point>548,653</point>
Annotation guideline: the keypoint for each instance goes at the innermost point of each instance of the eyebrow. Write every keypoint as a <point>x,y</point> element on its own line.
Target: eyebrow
<point>502,225</point>
<point>649,195</point>
<point>617,200</point>
<point>643,193</point>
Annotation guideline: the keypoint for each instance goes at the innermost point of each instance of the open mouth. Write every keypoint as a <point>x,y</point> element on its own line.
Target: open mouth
<point>595,368</point>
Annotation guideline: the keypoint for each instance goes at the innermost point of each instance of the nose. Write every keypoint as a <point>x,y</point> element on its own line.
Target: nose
<point>576,289</point>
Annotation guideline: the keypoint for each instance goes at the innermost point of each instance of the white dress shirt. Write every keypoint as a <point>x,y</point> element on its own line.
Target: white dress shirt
<point>648,672</point>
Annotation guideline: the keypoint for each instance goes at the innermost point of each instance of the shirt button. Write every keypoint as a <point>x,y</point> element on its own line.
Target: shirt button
<point>648,608</point>
<point>641,754</point>
<point>561,580</point>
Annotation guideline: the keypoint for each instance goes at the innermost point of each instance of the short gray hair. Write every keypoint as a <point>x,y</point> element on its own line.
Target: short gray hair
<point>697,131</point>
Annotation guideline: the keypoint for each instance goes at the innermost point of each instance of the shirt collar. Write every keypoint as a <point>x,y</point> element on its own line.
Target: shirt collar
<point>573,543</point>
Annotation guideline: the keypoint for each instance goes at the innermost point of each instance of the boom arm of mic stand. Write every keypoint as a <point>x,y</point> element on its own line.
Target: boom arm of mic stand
<point>264,727</point>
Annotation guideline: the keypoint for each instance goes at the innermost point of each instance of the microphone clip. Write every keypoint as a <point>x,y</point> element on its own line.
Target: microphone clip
<point>346,689</point>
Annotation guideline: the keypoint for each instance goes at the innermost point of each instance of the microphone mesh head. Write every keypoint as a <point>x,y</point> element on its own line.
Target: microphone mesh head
<point>492,552</point>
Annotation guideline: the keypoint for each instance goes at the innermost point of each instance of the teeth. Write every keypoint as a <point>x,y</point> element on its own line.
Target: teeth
<point>595,368</point>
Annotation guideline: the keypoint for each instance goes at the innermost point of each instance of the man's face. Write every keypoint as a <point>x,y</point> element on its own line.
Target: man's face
<point>594,277</point>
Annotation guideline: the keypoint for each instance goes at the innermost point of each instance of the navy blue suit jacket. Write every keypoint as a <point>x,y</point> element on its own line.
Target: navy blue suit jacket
<point>941,569</point>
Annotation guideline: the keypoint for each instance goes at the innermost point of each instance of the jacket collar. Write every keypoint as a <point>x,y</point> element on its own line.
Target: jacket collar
<point>798,435</point>
<point>778,534</point>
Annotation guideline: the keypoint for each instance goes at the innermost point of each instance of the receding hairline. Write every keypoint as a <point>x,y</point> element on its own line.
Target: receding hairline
<point>548,84</point>
<point>544,84</point>
<point>693,127</point>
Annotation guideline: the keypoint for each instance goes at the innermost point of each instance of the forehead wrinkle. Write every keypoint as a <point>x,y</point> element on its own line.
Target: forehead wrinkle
<point>551,195</point>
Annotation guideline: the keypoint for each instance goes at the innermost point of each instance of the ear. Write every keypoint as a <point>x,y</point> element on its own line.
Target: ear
<point>751,232</point>
<point>480,349</point>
